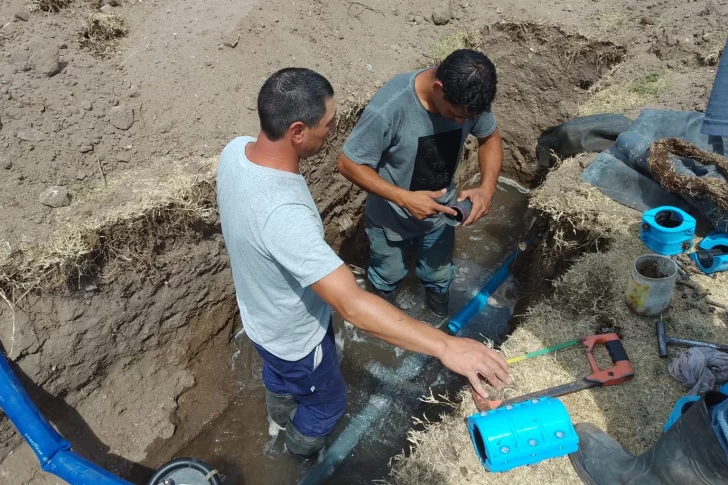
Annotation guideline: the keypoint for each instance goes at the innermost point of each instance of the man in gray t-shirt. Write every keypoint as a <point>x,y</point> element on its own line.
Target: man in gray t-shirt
<point>404,152</point>
<point>287,279</point>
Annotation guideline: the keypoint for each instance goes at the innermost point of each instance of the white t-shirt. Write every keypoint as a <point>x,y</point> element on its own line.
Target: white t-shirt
<point>275,238</point>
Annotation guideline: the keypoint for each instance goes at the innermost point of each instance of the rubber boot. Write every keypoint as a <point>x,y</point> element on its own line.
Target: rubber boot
<point>280,407</point>
<point>688,453</point>
<point>302,445</point>
<point>391,297</point>
<point>437,302</point>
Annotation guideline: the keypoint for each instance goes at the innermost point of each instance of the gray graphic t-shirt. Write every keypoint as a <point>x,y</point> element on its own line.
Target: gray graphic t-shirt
<point>275,239</point>
<point>411,148</point>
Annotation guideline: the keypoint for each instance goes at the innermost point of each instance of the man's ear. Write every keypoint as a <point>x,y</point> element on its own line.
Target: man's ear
<point>437,86</point>
<point>296,131</point>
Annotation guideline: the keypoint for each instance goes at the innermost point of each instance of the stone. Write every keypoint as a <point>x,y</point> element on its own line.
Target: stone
<point>121,117</point>
<point>6,163</point>
<point>32,135</point>
<point>46,59</point>
<point>86,148</point>
<point>55,196</point>
<point>86,105</point>
<point>231,39</point>
<point>106,9</point>
<point>22,14</point>
<point>113,3</point>
<point>123,157</point>
<point>442,14</point>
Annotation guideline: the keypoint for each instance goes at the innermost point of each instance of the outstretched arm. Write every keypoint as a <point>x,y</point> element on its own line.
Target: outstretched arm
<point>370,313</point>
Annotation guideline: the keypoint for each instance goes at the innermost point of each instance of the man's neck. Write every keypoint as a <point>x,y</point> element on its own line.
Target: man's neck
<point>272,154</point>
<point>423,88</point>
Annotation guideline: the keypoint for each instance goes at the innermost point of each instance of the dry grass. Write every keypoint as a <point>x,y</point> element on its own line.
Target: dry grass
<point>101,30</point>
<point>588,297</point>
<point>460,39</point>
<point>137,212</point>
<point>625,96</point>
<point>710,54</point>
<point>670,179</point>
<point>613,21</point>
<point>596,219</point>
<point>47,5</point>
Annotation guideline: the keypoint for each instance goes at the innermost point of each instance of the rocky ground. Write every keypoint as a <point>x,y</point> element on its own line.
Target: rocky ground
<point>184,78</point>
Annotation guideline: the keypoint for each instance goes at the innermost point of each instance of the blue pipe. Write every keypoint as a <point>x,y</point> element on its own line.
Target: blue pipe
<point>410,368</point>
<point>52,450</point>
<point>480,300</point>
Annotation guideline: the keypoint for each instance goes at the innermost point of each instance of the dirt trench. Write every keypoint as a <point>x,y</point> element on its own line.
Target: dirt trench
<point>130,357</point>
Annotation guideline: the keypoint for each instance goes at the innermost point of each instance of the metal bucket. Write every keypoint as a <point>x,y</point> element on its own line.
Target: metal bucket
<point>652,284</point>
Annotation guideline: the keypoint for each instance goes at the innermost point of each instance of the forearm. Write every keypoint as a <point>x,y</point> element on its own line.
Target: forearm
<point>369,180</point>
<point>490,159</point>
<point>385,322</point>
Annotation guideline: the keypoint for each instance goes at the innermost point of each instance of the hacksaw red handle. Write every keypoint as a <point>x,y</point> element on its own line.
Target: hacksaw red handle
<point>622,369</point>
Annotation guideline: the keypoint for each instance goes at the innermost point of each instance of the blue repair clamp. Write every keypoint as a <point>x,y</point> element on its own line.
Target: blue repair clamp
<point>667,230</point>
<point>523,433</point>
<point>712,254</point>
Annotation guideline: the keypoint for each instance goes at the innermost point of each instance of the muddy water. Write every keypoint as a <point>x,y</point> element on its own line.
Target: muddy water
<point>239,441</point>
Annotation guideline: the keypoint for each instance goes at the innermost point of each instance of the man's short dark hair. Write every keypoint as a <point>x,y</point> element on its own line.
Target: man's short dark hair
<point>290,95</point>
<point>468,79</point>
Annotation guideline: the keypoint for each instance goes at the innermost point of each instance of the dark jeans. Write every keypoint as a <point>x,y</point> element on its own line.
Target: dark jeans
<point>434,258</point>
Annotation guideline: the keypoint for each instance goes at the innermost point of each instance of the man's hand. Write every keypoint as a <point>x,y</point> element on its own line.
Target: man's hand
<point>473,359</point>
<point>421,204</point>
<point>481,199</point>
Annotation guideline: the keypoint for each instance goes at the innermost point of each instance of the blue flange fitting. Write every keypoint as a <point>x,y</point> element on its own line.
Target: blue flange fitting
<point>712,254</point>
<point>667,230</point>
<point>522,434</point>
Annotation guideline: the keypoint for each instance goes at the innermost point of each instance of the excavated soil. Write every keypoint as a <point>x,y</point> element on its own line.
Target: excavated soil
<point>127,346</point>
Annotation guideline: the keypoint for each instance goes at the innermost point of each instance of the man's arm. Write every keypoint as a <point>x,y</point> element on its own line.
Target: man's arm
<point>421,204</point>
<point>490,159</point>
<point>374,315</point>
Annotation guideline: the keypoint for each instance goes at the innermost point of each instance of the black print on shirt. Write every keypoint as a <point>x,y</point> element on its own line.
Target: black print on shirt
<point>436,160</point>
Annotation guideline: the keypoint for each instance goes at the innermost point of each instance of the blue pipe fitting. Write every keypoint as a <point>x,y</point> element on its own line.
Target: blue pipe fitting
<point>667,230</point>
<point>522,434</point>
<point>480,300</point>
<point>712,254</point>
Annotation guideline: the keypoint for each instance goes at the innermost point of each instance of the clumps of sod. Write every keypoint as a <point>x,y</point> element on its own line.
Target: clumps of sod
<point>710,55</point>
<point>101,30</point>
<point>611,96</point>
<point>671,180</point>
<point>160,209</point>
<point>47,5</point>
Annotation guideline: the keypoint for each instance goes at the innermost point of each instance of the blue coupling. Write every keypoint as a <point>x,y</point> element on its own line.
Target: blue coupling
<point>522,434</point>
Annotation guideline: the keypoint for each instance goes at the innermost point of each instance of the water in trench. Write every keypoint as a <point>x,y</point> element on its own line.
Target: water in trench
<point>239,443</point>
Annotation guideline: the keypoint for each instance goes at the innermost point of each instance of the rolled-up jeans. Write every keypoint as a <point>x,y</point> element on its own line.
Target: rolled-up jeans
<point>434,258</point>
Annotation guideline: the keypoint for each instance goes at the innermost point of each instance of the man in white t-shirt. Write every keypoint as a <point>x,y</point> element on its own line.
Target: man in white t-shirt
<point>288,279</point>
